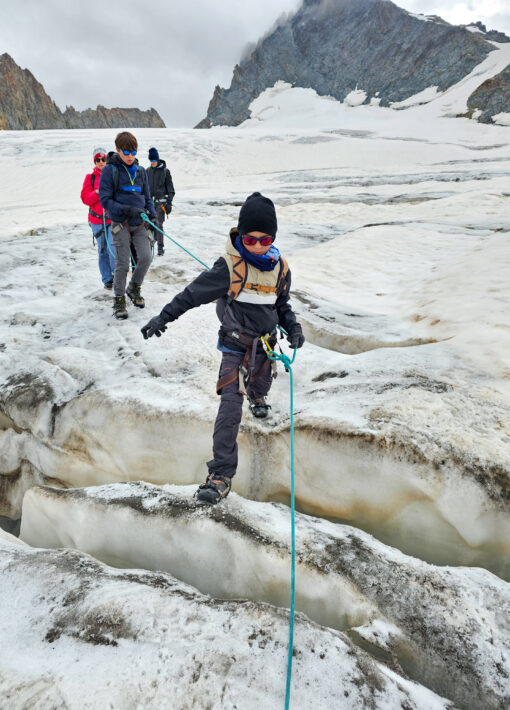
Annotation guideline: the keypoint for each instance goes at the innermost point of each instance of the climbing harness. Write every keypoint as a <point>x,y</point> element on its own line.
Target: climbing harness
<point>287,363</point>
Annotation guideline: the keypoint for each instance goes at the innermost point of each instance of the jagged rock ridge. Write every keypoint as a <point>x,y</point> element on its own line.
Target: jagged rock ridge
<point>335,46</point>
<point>25,105</point>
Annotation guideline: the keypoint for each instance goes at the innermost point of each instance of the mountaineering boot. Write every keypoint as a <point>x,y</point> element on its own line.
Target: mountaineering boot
<point>213,490</point>
<point>108,285</point>
<point>259,408</point>
<point>161,251</point>
<point>135,294</point>
<point>119,307</point>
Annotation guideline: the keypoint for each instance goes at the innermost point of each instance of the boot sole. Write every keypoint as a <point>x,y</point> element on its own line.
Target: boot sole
<point>120,317</point>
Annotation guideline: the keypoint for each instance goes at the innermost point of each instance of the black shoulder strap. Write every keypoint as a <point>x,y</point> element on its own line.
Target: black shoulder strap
<point>92,180</point>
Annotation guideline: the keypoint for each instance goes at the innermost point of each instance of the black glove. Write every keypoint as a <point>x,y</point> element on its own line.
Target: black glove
<point>296,337</point>
<point>168,207</point>
<point>131,211</point>
<point>155,326</point>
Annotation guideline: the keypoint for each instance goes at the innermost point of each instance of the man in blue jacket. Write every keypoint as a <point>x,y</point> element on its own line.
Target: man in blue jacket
<point>124,194</point>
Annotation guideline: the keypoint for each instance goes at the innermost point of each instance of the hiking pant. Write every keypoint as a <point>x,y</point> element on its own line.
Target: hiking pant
<point>226,426</point>
<point>106,254</point>
<point>160,218</point>
<point>122,241</point>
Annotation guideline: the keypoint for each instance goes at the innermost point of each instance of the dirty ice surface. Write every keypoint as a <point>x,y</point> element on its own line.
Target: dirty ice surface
<point>447,628</point>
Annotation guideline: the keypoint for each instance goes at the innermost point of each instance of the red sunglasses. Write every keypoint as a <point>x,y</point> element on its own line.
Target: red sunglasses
<point>265,241</point>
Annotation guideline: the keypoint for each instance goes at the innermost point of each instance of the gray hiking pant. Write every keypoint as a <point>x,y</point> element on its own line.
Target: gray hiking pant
<point>226,426</point>
<point>160,219</point>
<point>122,240</point>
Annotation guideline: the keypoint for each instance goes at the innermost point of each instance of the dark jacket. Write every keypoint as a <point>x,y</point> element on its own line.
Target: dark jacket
<point>213,285</point>
<point>161,187</point>
<point>135,194</point>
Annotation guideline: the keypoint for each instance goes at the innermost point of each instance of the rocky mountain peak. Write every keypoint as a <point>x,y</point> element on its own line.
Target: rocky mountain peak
<point>25,105</point>
<point>336,46</point>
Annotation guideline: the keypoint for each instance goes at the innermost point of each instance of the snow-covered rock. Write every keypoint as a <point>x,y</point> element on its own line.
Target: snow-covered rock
<point>80,635</point>
<point>447,628</point>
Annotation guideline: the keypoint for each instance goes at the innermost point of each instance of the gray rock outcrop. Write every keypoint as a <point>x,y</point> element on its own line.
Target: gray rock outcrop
<point>25,105</point>
<point>492,97</point>
<point>334,46</point>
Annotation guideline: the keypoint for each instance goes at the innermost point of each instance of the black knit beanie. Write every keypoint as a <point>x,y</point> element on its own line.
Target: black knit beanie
<point>257,215</point>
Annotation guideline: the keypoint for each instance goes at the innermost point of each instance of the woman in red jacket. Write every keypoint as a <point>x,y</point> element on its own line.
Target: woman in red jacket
<point>90,197</point>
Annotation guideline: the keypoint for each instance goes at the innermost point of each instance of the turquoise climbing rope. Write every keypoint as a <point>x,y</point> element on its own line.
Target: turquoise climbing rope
<point>154,226</point>
<point>287,362</point>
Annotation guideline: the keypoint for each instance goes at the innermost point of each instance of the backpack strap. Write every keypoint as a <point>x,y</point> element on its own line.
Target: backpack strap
<point>281,284</point>
<point>91,211</point>
<point>238,277</point>
<point>115,177</point>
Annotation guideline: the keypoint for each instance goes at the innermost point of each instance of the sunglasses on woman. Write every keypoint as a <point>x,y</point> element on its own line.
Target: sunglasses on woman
<point>130,152</point>
<point>100,160</point>
<point>250,241</point>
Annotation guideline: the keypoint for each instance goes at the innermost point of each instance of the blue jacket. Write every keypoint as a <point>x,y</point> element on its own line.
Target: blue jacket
<point>130,191</point>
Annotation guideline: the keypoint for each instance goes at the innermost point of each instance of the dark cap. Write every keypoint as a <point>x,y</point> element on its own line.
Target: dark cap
<point>257,215</point>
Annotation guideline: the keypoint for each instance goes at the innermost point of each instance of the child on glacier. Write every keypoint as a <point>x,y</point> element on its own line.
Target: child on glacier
<point>124,193</point>
<point>251,284</point>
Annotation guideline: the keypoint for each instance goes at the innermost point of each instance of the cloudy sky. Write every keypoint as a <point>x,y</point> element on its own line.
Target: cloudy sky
<point>168,54</point>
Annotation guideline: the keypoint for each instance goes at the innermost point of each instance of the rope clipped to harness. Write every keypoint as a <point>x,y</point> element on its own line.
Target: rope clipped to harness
<point>287,363</point>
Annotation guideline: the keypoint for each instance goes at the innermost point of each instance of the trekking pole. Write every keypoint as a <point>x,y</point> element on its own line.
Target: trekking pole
<point>106,236</point>
<point>287,362</point>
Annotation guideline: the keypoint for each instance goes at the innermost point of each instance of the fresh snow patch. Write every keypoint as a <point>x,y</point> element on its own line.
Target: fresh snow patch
<point>502,119</point>
<point>422,97</point>
<point>355,97</point>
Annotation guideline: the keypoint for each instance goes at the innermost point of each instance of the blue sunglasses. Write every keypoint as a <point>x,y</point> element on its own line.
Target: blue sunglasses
<point>130,152</point>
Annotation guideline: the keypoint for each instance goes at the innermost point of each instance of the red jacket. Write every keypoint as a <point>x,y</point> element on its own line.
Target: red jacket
<point>90,197</point>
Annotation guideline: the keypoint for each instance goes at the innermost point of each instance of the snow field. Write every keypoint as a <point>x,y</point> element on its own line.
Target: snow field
<point>395,226</point>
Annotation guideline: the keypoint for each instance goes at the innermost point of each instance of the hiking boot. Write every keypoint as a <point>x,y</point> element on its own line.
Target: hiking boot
<point>213,490</point>
<point>161,251</point>
<point>134,292</point>
<point>259,408</point>
<point>119,307</point>
<point>108,285</point>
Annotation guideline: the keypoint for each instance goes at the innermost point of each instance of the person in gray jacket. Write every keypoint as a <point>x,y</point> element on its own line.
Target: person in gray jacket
<point>162,193</point>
